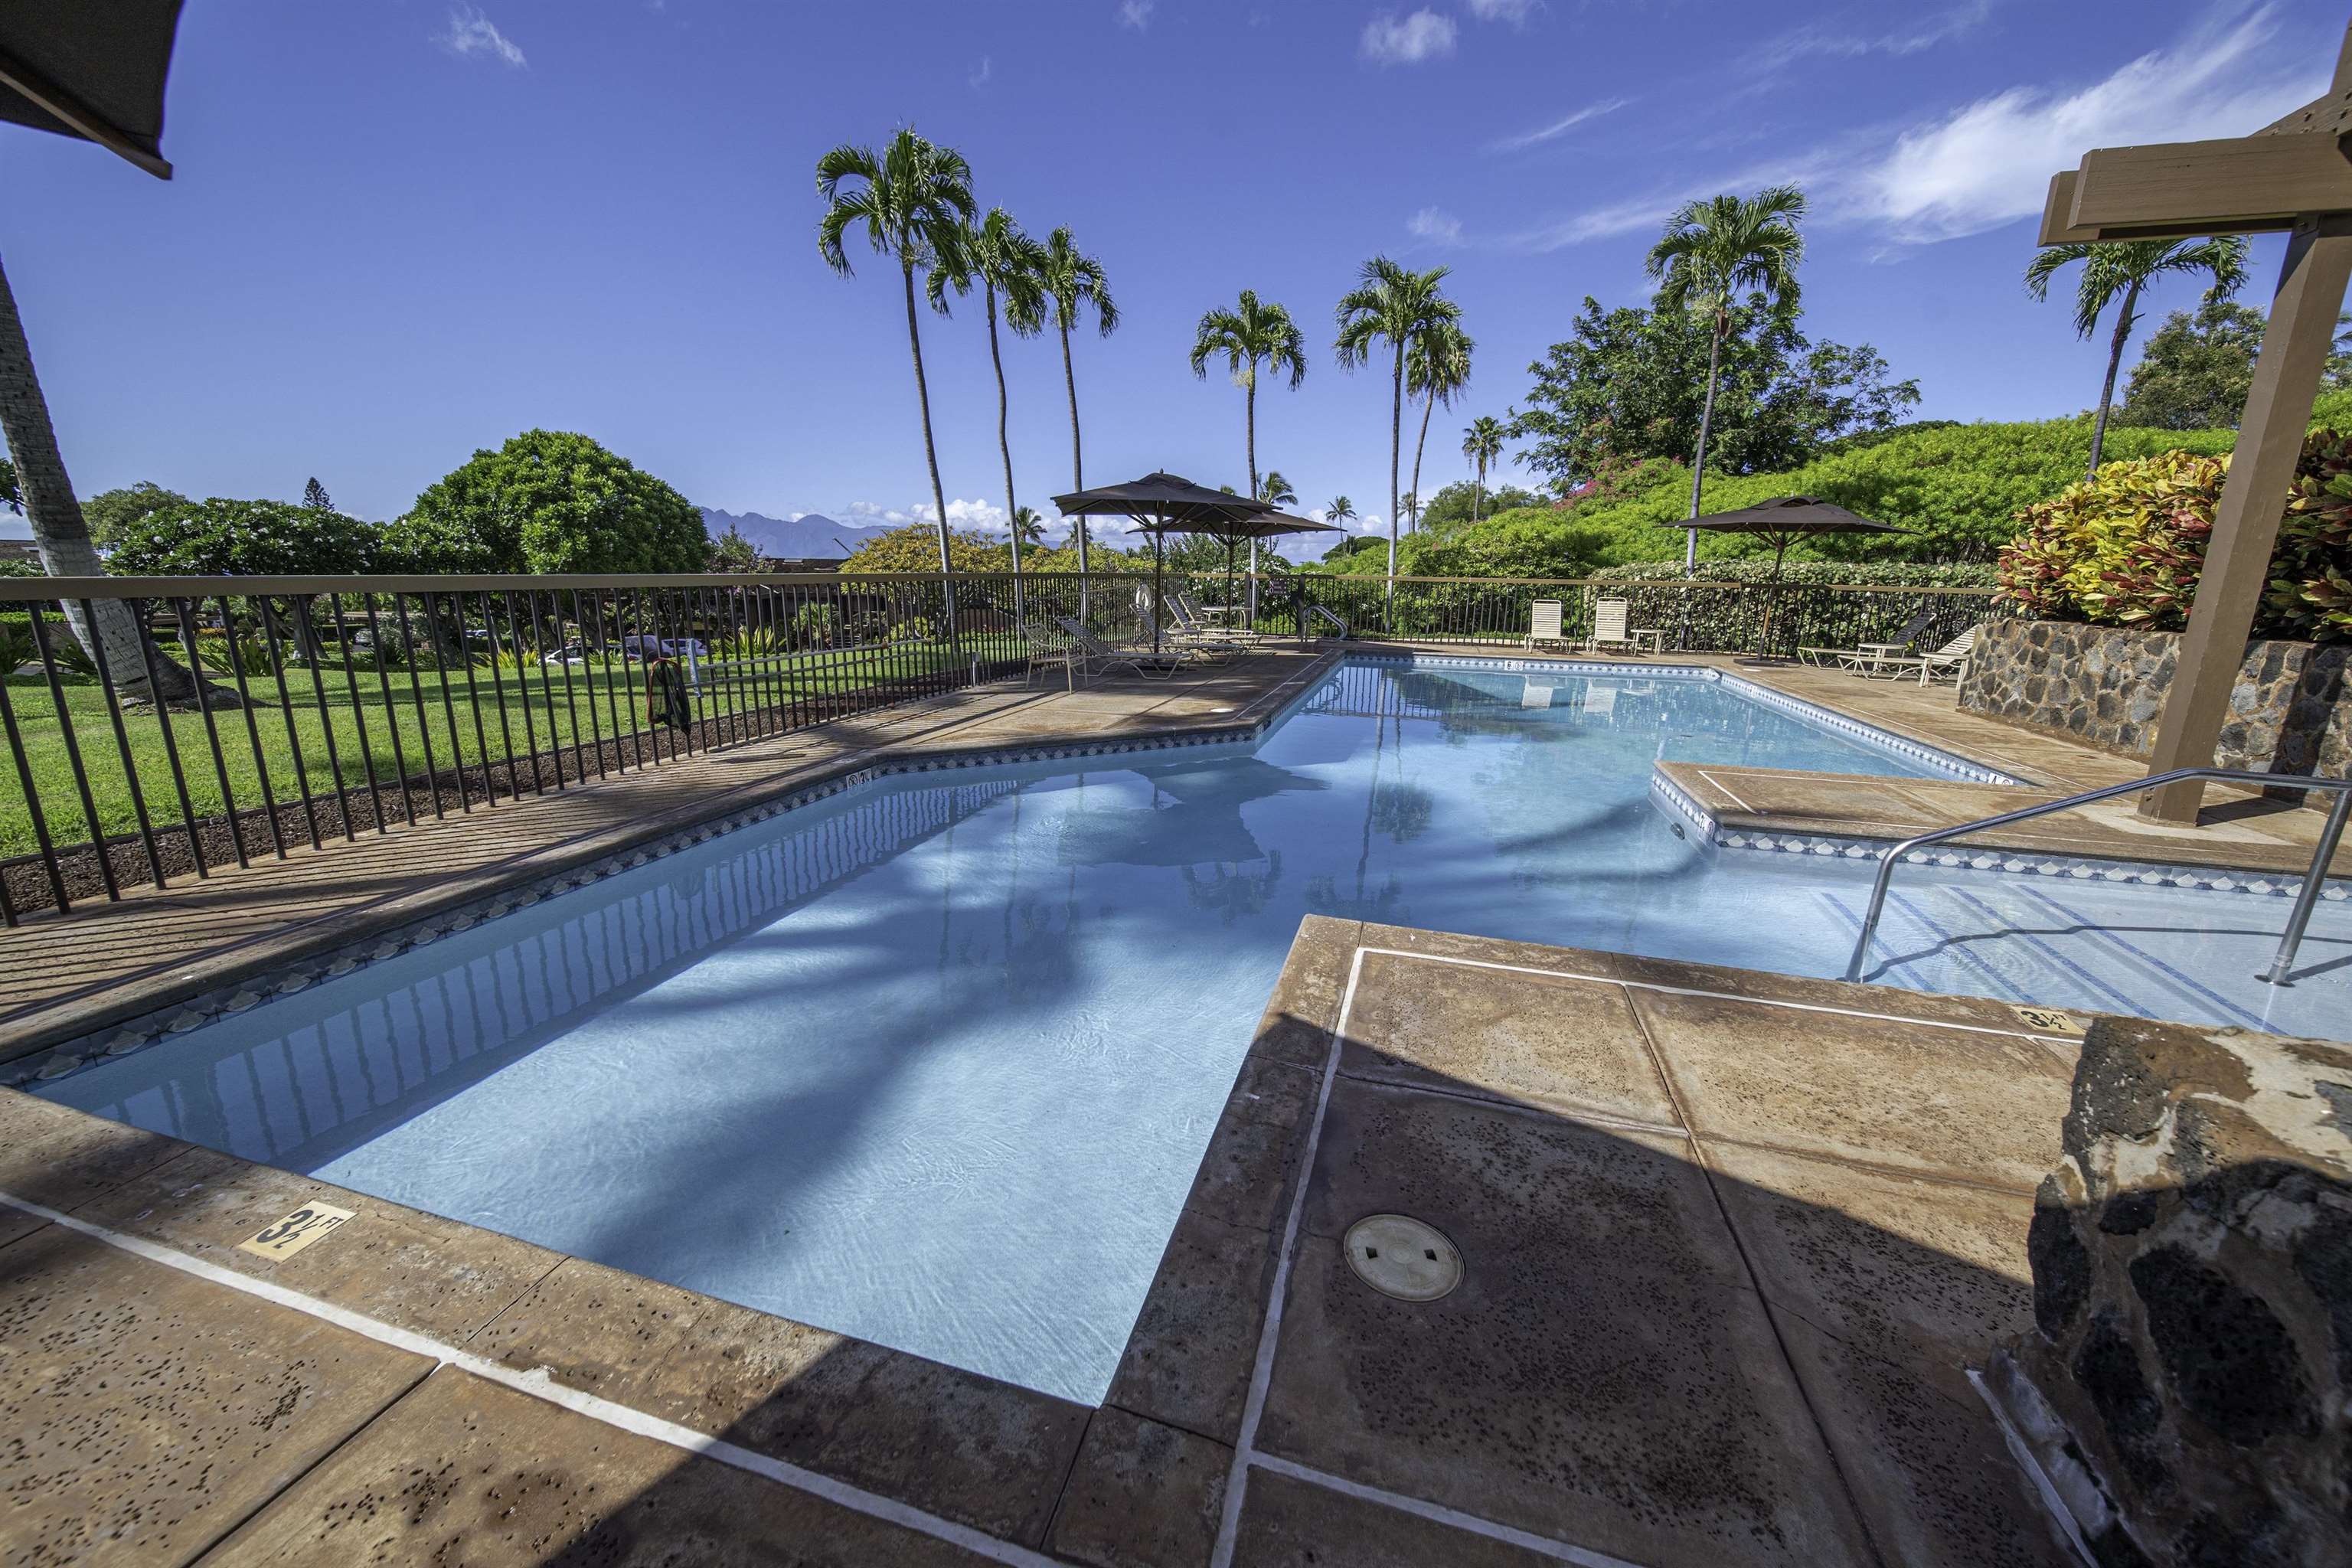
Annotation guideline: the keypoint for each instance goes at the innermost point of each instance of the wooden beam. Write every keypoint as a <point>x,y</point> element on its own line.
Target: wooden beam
<point>2295,346</point>
<point>2057,213</point>
<point>84,121</point>
<point>2330,113</point>
<point>2199,187</point>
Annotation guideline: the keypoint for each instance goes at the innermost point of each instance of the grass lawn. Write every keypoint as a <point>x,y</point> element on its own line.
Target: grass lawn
<point>363,725</point>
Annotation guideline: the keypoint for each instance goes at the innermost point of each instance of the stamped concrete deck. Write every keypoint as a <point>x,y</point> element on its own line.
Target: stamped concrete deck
<point>1729,1241</point>
<point>122,960</point>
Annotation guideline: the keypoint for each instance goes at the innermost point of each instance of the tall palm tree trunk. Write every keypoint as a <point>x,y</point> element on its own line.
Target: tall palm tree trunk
<point>1419,445</point>
<point>1396,444</point>
<point>2107,388</point>
<point>1249,446</point>
<point>930,451</point>
<point>1077,456</point>
<point>1004,447</point>
<point>1478,493</point>
<point>1699,462</point>
<point>59,531</point>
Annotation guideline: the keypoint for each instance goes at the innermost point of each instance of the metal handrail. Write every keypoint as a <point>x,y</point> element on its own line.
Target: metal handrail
<point>2305,899</point>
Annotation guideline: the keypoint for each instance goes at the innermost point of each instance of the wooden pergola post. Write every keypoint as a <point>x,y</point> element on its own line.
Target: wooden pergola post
<point>2294,176</point>
<point>2230,588</point>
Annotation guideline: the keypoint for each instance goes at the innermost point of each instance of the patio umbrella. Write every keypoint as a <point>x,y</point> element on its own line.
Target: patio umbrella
<point>1159,502</point>
<point>1779,523</point>
<point>93,71</point>
<point>1232,531</point>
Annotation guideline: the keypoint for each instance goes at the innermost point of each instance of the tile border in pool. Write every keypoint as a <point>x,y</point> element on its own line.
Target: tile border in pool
<point>1679,805</point>
<point>1952,765</point>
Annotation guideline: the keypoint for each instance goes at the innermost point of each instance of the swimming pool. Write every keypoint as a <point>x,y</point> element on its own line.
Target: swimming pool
<point>933,1061</point>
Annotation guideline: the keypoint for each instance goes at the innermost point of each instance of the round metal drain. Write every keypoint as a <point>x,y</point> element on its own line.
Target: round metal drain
<point>1401,1257</point>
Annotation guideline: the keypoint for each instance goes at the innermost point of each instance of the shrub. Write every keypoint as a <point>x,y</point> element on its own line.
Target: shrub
<point>2125,547</point>
<point>254,538</point>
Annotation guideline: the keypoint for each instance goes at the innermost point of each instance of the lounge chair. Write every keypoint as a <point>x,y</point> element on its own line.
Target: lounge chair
<point>1609,617</point>
<point>1863,655</point>
<point>1203,647</point>
<point>1193,618</point>
<point>1100,658</point>
<point>1048,645</point>
<point>1544,617</point>
<point>1952,659</point>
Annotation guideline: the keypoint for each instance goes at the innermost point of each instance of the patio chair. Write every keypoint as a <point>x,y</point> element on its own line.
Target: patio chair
<point>1608,618</point>
<point>1862,653</point>
<point>1048,645</point>
<point>1202,647</point>
<point>1952,659</point>
<point>1192,617</point>
<point>1544,624</point>
<point>1100,658</point>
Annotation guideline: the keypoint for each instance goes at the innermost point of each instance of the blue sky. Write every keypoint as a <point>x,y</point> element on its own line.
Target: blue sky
<point>403,230</point>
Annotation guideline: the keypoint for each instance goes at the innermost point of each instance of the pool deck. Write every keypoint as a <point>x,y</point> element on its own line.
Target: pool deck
<point>1729,1240</point>
<point>130,963</point>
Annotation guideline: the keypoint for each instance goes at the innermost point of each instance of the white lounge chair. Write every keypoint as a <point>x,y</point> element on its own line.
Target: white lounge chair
<point>1861,655</point>
<point>1048,645</point>
<point>1545,618</point>
<point>1608,618</point>
<point>1102,658</point>
<point>1203,647</point>
<point>1952,659</point>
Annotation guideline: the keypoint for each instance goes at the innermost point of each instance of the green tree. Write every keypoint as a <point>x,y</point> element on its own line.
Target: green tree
<point>1628,387</point>
<point>1482,443</point>
<point>1274,490</point>
<point>915,549</point>
<point>1341,510</point>
<point>1461,503</point>
<point>730,551</point>
<point>549,500</point>
<point>1713,252</point>
<point>314,494</point>
<point>1074,281</point>
<point>2195,370</point>
<point>1008,265</point>
<point>245,539</point>
<point>2122,270</point>
<point>1392,304</point>
<point>1254,333</point>
<point>1436,370</point>
<point>1028,528</point>
<point>110,513</point>
<point>913,199</point>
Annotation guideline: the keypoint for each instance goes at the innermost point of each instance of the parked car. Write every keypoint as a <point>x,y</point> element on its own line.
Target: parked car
<point>645,644</point>
<point>571,653</point>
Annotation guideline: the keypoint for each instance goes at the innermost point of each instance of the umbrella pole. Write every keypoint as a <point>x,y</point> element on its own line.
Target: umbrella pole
<point>1772,597</point>
<point>1158,605</point>
<point>1230,605</point>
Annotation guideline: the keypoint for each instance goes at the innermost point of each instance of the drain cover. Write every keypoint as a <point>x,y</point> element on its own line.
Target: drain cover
<point>1402,1256</point>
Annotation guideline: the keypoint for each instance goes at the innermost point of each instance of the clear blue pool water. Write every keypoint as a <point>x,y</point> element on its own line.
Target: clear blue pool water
<point>933,1061</point>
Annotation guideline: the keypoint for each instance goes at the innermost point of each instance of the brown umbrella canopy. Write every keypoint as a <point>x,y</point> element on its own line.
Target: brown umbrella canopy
<point>1170,498</point>
<point>91,69</point>
<point>1779,524</point>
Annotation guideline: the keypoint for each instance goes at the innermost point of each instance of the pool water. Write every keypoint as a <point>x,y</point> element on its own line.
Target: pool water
<point>933,1061</point>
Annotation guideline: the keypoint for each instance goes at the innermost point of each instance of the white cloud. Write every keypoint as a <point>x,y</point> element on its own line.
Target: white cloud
<point>1392,40</point>
<point>1561,126</point>
<point>1921,33</point>
<point>1990,163</point>
<point>1436,226</point>
<point>1515,12</point>
<point>986,69</point>
<point>1135,14</point>
<point>469,33</point>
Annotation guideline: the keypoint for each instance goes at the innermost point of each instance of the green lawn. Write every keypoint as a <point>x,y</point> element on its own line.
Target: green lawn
<point>362,726</point>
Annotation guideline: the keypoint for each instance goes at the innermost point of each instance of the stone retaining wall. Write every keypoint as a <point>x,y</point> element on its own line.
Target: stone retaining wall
<point>2184,1387</point>
<point>2291,712</point>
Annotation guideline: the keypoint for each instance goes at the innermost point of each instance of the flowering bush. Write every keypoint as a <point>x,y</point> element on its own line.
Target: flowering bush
<point>2124,548</point>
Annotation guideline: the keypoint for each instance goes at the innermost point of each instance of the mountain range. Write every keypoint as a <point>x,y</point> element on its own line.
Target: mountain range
<point>812,536</point>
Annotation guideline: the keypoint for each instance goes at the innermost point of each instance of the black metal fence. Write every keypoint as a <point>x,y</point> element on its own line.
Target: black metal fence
<point>298,710</point>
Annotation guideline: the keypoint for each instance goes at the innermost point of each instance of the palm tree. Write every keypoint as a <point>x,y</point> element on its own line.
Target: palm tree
<point>914,200</point>
<point>1028,528</point>
<point>1006,263</point>
<point>1482,443</point>
<point>1713,251</point>
<point>45,495</point>
<point>1073,281</point>
<point>2126,268</point>
<point>1256,333</point>
<point>1436,370</point>
<point>1341,510</point>
<point>1274,490</point>
<point>1392,303</point>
